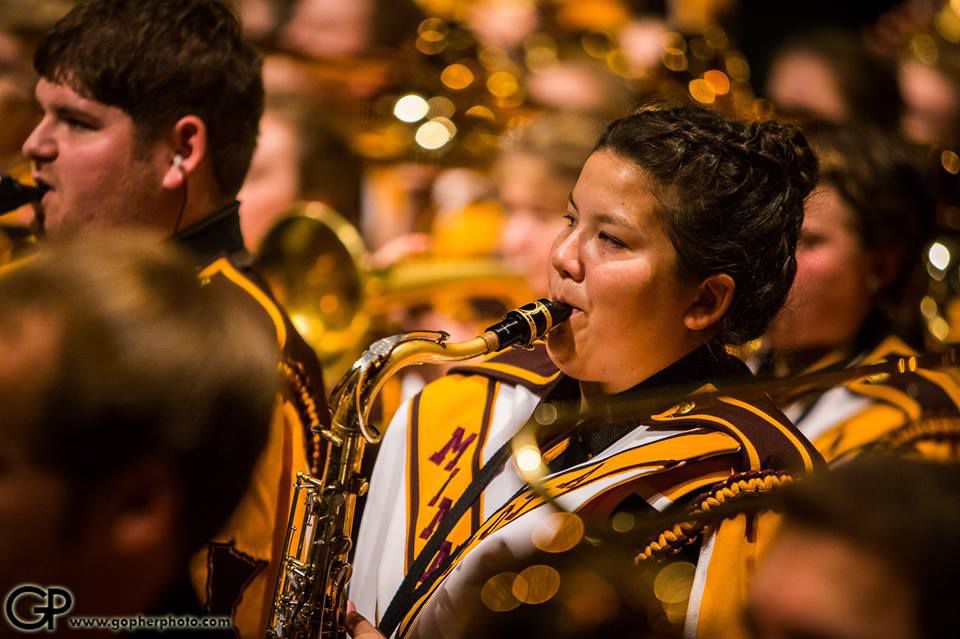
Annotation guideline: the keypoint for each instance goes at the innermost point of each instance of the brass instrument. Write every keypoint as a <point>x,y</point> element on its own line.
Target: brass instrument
<point>309,599</point>
<point>315,263</point>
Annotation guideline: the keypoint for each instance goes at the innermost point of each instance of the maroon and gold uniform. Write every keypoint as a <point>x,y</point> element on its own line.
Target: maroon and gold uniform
<point>235,574</point>
<point>683,453</point>
<point>915,412</point>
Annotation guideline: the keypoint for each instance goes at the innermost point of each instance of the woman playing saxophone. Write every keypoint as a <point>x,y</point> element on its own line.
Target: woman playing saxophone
<point>679,239</point>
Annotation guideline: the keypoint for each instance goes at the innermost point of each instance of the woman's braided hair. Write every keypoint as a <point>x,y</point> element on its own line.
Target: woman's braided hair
<point>731,196</point>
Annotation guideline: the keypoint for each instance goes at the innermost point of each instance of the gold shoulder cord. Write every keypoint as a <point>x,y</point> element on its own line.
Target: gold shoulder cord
<point>293,372</point>
<point>933,429</point>
<point>734,488</point>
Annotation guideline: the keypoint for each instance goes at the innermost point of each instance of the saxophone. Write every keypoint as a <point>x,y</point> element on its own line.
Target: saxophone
<point>309,600</point>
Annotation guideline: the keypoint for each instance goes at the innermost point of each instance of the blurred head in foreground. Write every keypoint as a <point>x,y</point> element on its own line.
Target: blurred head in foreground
<point>866,551</point>
<point>135,404</point>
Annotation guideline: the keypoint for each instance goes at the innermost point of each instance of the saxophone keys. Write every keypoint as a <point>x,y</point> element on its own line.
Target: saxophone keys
<point>331,437</point>
<point>359,486</point>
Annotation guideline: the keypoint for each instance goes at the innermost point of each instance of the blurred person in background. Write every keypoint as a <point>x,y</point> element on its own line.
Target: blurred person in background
<point>17,108</point>
<point>330,29</point>
<point>299,156</point>
<point>832,75</point>
<point>535,175</point>
<point>18,113</point>
<point>22,25</point>
<point>866,551</point>
<point>923,35</point>
<point>261,18</point>
<point>162,140</point>
<point>931,95</point>
<point>136,403</point>
<point>863,231</point>
<point>580,85</point>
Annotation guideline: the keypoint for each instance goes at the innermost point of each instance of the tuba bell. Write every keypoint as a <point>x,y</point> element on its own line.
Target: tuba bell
<point>317,266</point>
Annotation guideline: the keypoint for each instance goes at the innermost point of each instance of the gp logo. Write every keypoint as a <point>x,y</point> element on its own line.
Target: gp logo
<point>33,608</point>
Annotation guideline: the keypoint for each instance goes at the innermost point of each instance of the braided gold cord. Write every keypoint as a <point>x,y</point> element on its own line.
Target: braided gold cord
<point>930,428</point>
<point>293,372</point>
<point>684,533</point>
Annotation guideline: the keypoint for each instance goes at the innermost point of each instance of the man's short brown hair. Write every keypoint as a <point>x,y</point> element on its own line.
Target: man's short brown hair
<point>159,60</point>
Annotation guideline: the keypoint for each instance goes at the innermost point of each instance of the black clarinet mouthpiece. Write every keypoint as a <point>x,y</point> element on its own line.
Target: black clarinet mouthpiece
<point>13,194</point>
<point>530,322</point>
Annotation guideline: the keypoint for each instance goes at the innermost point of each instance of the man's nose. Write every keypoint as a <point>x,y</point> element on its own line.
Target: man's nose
<point>39,145</point>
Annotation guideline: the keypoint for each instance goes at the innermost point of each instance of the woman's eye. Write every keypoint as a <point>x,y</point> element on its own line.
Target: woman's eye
<point>609,239</point>
<point>571,221</point>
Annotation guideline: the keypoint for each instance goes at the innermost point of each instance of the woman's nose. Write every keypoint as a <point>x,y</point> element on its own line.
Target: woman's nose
<point>565,256</point>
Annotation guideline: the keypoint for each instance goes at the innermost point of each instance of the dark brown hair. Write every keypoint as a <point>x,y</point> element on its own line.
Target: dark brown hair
<point>159,60</point>
<point>731,197</point>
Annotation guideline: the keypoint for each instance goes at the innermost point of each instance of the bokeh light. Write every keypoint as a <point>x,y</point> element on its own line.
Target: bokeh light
<point>950,162</point>
<point>497,593</point>
<point>411,108</point>
<point>528,458</point>
<point>435,134</point>
<point>939,256</point>
<point>702,92</point>
<point>559,532</point>
<point>536,584</point>
<point>457,76</point>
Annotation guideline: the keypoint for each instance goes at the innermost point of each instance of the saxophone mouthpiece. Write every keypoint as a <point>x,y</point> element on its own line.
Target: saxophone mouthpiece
<point>13,194</point>
<point>530,322</point>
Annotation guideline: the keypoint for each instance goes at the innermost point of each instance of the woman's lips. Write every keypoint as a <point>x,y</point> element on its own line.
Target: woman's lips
<point>574,307</point>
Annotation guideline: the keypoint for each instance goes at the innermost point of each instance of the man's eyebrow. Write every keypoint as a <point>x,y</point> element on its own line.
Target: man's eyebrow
<point>63,110</point>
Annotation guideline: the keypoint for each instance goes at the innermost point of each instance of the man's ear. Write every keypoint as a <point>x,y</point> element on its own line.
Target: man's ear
<point>713,298</point>
<point>144,507</point>
<point>187,149</point>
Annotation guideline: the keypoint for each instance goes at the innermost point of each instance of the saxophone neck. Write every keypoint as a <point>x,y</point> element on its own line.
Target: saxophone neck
<point>354,394</point>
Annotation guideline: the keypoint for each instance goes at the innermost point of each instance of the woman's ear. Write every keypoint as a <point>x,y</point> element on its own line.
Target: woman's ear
<point>714,296</point>
<point>882,268</point>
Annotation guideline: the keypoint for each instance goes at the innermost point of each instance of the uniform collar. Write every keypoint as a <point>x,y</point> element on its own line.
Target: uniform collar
<point>216,235</point>
<point>708,363</point>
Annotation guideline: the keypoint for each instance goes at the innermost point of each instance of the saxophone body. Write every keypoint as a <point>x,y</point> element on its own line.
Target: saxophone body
<point>309,599</point>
